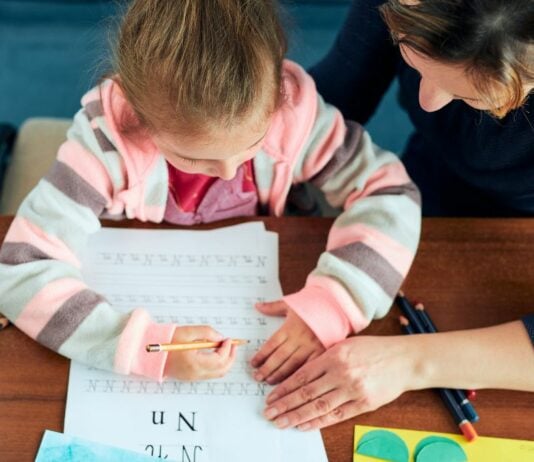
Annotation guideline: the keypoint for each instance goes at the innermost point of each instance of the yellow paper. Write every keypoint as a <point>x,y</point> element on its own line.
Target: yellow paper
<point>483,449</point>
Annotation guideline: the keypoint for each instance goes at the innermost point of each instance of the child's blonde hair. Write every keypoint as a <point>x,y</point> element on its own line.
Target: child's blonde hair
<point>186,66</point>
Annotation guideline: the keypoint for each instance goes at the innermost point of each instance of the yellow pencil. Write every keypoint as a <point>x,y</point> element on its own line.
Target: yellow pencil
<point>4,322</point>
<point>196,345</point>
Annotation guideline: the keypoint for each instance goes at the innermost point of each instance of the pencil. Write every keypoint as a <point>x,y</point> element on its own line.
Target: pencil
<point>448,397</point>
<point>4,322</point>
<point>196,345</point>
<point>409,311</point>
<point>459,395</point>
<point>425,318</point>
<point>458,415</point>
<point>408,329</point>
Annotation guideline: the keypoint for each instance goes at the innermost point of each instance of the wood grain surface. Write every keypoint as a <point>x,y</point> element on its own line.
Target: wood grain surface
<point>469,272</point>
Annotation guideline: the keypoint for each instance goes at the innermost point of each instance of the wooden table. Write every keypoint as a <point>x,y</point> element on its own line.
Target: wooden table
<point>470,273</point>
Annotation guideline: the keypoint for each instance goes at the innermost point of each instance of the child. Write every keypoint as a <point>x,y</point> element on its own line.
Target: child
<point>203,119</point>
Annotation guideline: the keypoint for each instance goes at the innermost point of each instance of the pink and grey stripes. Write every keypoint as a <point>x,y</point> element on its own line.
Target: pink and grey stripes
<point>100,172</point>
<point>342,156</point>
<point>68,318</point>
<point>73,186</point>
<point>24,247</point>
<point>40,282</point>
<point>372,243</point>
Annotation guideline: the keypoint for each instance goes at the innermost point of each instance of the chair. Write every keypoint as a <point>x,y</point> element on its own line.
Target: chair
<point>32,153</point>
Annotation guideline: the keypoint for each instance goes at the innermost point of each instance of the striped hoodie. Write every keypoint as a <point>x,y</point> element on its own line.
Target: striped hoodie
<point>100,173</point>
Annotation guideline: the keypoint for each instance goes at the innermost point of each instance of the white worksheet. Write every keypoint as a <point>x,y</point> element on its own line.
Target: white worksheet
<point>187,277</point>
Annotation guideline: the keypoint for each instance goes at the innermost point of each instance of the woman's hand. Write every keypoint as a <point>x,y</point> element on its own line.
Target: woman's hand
<point>355,376</point>
<point>288,348</point>
<point>199,364</point>
<point>361,373</point>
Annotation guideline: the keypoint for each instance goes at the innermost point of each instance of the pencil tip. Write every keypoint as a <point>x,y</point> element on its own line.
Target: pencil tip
<point>419,306</point>
<point>401,293</point>
<point>404,321</point>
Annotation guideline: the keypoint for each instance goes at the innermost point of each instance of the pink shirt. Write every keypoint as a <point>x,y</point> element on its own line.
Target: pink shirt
<point>196,198</point>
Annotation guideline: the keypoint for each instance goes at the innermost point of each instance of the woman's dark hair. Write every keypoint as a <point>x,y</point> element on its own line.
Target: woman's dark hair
<point>492,39</point>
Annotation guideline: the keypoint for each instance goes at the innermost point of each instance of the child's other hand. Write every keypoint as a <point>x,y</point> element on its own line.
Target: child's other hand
<point>199,364</point>
<point>288,348</point>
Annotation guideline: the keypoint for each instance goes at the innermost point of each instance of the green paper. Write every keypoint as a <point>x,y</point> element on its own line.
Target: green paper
<point>441,451</point>
<point>383,434</point>
<point>429,440</point>
<point>384,445</point>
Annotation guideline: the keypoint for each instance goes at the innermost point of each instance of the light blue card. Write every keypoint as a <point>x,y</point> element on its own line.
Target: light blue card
<point>58,447</point>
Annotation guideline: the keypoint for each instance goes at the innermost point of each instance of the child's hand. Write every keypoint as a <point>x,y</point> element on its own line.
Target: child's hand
<point>199,364</point>
<point>288,348</point>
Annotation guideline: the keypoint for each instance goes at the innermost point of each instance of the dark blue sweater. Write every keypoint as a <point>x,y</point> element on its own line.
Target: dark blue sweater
<point>466,162</point>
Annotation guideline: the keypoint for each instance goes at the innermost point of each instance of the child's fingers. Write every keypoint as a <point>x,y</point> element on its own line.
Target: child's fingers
<point>194,333</point>
<point>267,349</point>
<point>278,308</point>
<point>225,349</point>
<point>213,360</point>
<point>274,361</point>
<point>231,359</point>
<point>297,359</point>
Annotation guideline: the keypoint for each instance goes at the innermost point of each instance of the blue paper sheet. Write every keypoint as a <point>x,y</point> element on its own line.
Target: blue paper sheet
<point>58,447</point>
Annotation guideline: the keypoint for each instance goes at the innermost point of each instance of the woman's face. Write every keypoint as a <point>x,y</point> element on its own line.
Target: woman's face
<point>442,83</point>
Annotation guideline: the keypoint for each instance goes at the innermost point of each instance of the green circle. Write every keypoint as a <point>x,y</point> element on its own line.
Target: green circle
<point>429,440</point>
<point>441,451</point>
<point>384,445</point>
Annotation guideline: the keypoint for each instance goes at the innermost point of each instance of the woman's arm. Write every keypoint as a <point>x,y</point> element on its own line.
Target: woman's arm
<point>363,373</point>
<point>493,357</point>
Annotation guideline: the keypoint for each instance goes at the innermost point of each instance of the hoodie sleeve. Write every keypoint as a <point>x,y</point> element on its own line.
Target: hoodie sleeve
<point>372,243</point>
<point>41,288</point>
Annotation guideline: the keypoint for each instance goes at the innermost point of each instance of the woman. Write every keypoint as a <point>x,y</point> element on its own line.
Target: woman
<point>466,70</point>
<point>471,56</point>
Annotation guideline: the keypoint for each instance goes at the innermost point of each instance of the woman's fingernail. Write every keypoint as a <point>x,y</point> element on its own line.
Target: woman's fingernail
<point>282,422</point>
<point>303,427</point>
<point>272,397</point>
<point>258,376</point>
<point>270,413</point>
